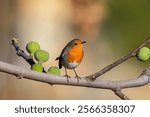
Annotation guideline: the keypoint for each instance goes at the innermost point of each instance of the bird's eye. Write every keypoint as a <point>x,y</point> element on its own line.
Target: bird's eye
<point>75,43</point>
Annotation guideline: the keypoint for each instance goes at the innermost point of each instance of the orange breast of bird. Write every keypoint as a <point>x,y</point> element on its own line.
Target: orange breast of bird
<point>75,54</point>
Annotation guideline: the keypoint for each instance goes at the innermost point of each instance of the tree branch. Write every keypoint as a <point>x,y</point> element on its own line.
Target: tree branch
<point>119,61</point>
<point>20,52</point>
<point>88,81</point>
<point>142,80</point>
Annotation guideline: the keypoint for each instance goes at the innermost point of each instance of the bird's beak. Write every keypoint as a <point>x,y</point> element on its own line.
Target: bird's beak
<point>83,42</point>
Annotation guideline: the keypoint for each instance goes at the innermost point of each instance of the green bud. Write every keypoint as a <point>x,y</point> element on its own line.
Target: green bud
<point>32,47</point>
<point>37,67</point>
<point>41,56</point>
<point>54,70</point>
<point>143,54</point>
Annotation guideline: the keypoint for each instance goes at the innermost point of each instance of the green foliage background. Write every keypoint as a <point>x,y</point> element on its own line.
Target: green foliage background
<point>127,24</point>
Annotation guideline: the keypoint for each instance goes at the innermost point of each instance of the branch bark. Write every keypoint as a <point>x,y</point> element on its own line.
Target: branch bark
<point>121,95</point>
<point>142,80</point>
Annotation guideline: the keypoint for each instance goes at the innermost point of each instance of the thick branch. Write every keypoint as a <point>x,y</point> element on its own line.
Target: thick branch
<point>119,61</point>
<point>53,79</point>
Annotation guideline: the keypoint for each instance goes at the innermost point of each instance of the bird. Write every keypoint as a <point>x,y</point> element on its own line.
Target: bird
<point>71,56</point>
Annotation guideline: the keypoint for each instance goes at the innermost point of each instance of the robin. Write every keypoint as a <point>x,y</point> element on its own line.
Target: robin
<point>71,56</point>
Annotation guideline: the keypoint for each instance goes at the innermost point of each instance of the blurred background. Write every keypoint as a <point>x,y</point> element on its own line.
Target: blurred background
<point>111,28</point>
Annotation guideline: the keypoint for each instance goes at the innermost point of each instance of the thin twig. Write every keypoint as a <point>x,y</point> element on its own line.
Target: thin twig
<point>119,61</point>
<point>21,53</point>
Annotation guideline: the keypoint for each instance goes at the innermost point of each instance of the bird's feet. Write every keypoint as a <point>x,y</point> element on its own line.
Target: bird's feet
<point>68,77</point>
<point>78,78</point>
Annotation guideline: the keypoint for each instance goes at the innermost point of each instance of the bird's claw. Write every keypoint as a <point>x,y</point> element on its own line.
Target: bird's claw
<point>68,77</point>
<point>78,78</point>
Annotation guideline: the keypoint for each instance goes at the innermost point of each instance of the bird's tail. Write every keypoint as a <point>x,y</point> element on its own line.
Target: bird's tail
<point>59,64</point>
